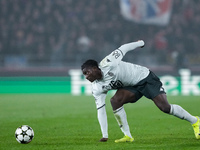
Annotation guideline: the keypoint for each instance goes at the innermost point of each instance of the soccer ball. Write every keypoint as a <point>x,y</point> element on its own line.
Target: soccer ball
<point>24,134</point>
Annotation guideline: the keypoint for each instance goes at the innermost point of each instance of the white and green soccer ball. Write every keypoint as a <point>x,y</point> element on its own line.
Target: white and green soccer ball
<point>24,134</point>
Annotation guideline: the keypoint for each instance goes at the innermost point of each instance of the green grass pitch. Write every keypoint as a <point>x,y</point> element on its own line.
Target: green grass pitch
<point>65,122</point>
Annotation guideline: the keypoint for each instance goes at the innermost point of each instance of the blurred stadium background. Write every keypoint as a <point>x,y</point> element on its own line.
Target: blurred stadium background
<point>42,38</point>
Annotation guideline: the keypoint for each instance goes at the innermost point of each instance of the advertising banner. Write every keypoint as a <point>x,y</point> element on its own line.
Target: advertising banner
<point>186,84</point>
<point>76,84</point>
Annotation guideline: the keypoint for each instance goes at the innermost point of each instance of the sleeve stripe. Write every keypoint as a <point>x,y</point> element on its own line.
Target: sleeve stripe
<point>121,52</point>
<point>101,106</point>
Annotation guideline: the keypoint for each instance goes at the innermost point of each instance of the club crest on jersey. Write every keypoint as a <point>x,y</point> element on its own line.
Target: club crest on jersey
<point>110,74</point>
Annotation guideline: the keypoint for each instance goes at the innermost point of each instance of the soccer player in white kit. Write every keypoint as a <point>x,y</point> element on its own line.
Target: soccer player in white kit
<point>132,82</point>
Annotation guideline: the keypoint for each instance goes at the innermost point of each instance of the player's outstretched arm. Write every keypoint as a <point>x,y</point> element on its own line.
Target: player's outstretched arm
<point>101,114</point>
<point>102,117</point>
<point>116,56</point>
<point>131,46</point>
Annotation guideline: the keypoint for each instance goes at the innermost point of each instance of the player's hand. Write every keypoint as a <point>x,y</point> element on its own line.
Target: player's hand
<point>142,42</point>
<point>103,140</point>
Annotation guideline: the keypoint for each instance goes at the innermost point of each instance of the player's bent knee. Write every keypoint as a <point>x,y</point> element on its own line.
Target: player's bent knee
<point>162,103</point>
<point>165,109</point>
<point>116,103</point>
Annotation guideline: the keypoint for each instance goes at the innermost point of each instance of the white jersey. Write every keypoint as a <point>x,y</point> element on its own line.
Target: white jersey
<point>116,74</point>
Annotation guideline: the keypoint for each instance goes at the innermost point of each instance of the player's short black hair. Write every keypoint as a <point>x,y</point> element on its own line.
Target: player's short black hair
<point>89,63</point>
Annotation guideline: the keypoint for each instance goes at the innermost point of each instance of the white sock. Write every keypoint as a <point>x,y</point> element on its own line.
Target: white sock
<point>121,118</point>
<point>181,113</point>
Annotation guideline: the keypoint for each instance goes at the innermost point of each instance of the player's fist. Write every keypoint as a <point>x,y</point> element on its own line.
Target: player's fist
<point>141,43</point>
